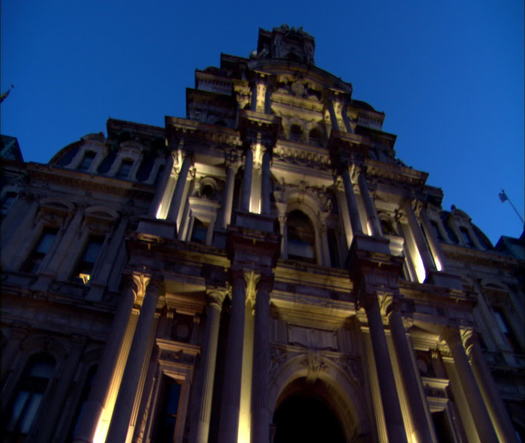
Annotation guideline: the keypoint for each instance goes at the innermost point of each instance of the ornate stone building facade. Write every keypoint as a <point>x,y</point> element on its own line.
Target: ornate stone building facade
<point>262,270</point>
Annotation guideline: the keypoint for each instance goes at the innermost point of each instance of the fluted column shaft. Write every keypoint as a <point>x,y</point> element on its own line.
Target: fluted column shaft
<point>371,213</point>
<point>247,180</point>
<point>493,400</point>
<point>260,409</point>
<point>433,243</point>
<point>385,374</point>
<point>113,352</point>
<point>419,240</point>
<point>351,201</point>
<point>266,183</point>
<point>121,417</point>
<point>228,200</point>
<point>468,382</point>
<point>176,201</point>
<point>411,381</point>
<point>231,395</point>
<point>209,359</point>
<point>163,186</point>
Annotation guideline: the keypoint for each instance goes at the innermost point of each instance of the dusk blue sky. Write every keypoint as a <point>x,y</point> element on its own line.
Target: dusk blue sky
<point>448,74</point>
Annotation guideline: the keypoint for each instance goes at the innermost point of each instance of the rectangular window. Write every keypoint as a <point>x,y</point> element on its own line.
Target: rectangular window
<point>87,261</point>
<point>43,246</point>
<point>199,232</point>
<point>88,158</point>
<point>505,327</point>
<point>168,404</point>
<point>124,169</point>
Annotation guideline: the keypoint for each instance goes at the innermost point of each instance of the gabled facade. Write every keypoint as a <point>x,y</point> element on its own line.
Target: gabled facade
<point>264,270</point>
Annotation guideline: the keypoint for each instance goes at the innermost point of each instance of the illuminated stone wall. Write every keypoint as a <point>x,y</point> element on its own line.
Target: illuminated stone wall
<point>267,254</point>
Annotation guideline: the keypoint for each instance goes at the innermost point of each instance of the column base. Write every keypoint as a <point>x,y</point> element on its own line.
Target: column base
<point>157,228</point>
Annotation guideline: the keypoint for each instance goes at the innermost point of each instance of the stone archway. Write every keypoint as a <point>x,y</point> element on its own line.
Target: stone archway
<point>327,386</point>
<point>305,413</point>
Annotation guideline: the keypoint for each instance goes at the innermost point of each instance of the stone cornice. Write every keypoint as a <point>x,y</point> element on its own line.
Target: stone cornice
<point>201,131</point>
<point>88,182</point>
<point>396,173</point>
<point>488,258</point>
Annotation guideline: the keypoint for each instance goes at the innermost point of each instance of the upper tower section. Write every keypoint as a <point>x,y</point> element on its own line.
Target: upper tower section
<point>286,43</point>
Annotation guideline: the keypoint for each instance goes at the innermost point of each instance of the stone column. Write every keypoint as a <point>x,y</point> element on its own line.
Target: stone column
<point>419,240</point>
<point>281,217</point>
<point>12,347</point>
<point>119,429</point>
<point>414,390</point>
<point>261,415</point>
<point>247,180</point>
<point>209,359</point>
<point>162,188</point>
<point>433,242</point>
<point>371,214</point>
<point>231,395</point>
<point>232,167</point>
<point>385,374</point>
<point>496,408</point>
<point>351,201</point>
<point>323,241</point>
<point>176,201</point>
<point>113,360</point>
<point>470,387</point>
<point>266,182</point>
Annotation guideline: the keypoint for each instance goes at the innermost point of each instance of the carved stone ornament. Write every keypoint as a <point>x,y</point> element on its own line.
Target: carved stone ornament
<point>313,361</point>
<point>278,357</point>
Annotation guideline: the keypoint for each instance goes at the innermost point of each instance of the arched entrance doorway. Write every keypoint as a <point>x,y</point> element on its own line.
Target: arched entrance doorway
<point>305,414</point>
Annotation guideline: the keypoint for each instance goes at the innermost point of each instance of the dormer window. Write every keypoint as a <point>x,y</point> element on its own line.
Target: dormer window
<point>466,237</point>
<point>87,160</point>
<point>124,169</point>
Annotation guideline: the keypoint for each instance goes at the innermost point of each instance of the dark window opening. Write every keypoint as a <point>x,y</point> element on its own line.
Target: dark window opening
<point>505,327</point>
<point>301,237</point>
<point>442,426</point>
<point>387,227</point>
<point>124,169</point>
<point>466,237</point>
<point>42,248</point>
<point>208,192</point>
<point>315,137</point>
<point>29,394</point>
<point>87,261</point>
<point>296,133</point>
<point>450,232</point>
<point>87,160</point>
<point>437,231</point>
<point>199,232</point>
<point>167,413</point>
<point>333,248</point>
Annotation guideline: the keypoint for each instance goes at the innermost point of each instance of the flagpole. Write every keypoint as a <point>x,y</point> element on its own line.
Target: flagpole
<point>504,197</point>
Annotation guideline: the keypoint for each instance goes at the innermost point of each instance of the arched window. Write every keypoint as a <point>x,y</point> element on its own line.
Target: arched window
<point>29,394</point>
<point>296,133</point>
<point>301,237</point>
